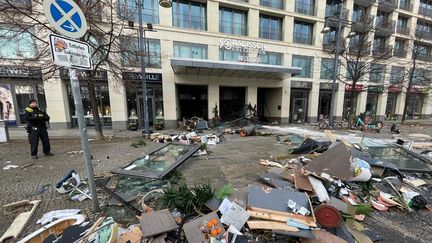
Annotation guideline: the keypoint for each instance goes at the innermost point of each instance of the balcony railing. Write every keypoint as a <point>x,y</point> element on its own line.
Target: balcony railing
<point>365,3</point>
<point>403,30</point>
<point>21,4</point>
<point>385,27</point>
<point>421,34</point>
<point>387,5</point>
<point>304,8</point>
<point>400,53</point>
<point>425,11</point>
<point>233,28</point>
<point>362,23</point>
<point>357,49</point>
<point>330,45</point>
<point>382,51</point>
<point>303,39</point>
<point>406,6</point>
<point>272,3</point>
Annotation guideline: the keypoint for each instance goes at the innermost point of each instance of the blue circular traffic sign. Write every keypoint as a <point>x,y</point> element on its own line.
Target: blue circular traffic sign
<point>66,17</point>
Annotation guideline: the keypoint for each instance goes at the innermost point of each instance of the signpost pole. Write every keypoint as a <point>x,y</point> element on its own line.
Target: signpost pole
<point>79,111</point>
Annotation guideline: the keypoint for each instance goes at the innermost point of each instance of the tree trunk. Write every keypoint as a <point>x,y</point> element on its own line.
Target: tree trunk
<point>351,103</point>
<point>94,108</point>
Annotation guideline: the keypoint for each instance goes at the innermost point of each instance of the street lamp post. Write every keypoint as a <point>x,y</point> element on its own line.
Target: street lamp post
<point>139,3</point>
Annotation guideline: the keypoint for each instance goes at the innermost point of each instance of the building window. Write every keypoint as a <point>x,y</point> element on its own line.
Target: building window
<point>272,3</point>
<point>188,14</point>
<point>425,7</point>
<point>327,68</point>
<point>397,74</point>
<point>303,33</point>
<point>305,7</point>
<point>130,51</point>
<point>377,73</point>
<point>358,13</point>
<point>271,58</point>
<point>230,55</point>
<point>270,27</point>
<point>17,43</point>
<point>332,7</point>
<point>189,50</point>
<point>305,63</point>
<point>232,21</point>
<point>422,77</point>
<point>150,11</point>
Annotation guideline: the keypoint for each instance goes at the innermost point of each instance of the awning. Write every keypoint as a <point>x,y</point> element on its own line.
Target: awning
<point>190,66</point>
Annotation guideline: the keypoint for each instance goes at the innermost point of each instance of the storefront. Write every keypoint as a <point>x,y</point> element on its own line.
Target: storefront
<point>193,101</point>
<point>415,105</point>
<point>134,95</point>
<point>99,80</point>
<point>393,92</point>
<point>232,102</point>
<point>324,102</point>
<point>351,93</point>
<point>299,101</point>
<point>374,91</point>
<point>19,85</point>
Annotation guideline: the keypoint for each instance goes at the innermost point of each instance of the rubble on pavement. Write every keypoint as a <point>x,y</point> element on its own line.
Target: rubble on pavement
<point>321,191</point>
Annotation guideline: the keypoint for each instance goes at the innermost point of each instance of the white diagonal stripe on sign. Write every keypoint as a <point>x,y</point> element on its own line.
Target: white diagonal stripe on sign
<point>66,16</point>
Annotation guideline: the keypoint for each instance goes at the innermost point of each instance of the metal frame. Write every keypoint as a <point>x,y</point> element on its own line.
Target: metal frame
<point>150,175</point>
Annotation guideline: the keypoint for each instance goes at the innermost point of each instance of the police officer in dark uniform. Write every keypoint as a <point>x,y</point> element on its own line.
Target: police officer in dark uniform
<point>36,128</point>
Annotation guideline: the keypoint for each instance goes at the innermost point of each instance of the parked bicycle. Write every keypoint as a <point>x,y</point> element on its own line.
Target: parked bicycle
<point>325,124</point>
<point>364,124</point>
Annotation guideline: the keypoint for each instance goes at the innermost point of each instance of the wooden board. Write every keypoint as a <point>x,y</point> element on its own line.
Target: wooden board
<point>281,216</point>
<point>192,228</point>
<point>302,182</point>
<point>270,225</point>
<point>20,221</point>
<point>156,223</point>
<point>324,236</point>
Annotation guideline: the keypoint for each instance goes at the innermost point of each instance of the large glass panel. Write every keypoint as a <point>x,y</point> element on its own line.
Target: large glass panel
<point>150,10</point>
<point>377,73</point>
<point>17,43</point>
<point>130,57</point>
<point>232,21</point>
<point>397,75</point>
<point>188,14</point>
<point>189,50</point>
<point>327,68</point>
<point>230,55</point>
<point>272,3</point>
<point>23,94</point>
<point>270,27</point>
<point>303,32</point>
<point>305,63</point>
<point>305,7</point>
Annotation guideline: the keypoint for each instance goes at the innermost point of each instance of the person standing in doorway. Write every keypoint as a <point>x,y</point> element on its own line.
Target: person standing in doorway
<point>36,128</point>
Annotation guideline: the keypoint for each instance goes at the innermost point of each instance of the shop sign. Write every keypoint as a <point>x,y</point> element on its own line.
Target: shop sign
<point>70,53</point>
<point>150,77</point>
<point>301,85</point>
<point>328,86</point>
<point>420,90</point>
<point>357,87</point>
<point>20,72</point>
<point>375,89</point>
<point>250,51</point>
<point>394,89</point>
<point>85,74</point>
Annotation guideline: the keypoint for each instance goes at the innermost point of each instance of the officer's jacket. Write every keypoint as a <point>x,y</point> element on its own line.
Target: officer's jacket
<point>36,117</point>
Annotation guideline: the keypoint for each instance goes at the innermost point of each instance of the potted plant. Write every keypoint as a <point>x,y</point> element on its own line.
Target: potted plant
<point>216,120</point>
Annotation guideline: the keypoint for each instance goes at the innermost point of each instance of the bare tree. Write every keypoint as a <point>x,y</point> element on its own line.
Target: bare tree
<point>362,54</point>
<point>105,23</point>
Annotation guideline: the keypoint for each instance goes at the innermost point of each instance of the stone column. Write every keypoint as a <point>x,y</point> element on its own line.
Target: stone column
<point>339,102</point>
<point>165,16</point>
<point>313,102</point>
<point>213,14</point>
<point>381,106</point>
<point>253,23</point>
<point>427,107</point>
<point>400,103</point>
<point>361,102</point>
<point>56,97</point>
<point>169,90</point>
<point>118,102</point>
<point>288,29</point>
<point>213,99</point>
<point>286,96</point>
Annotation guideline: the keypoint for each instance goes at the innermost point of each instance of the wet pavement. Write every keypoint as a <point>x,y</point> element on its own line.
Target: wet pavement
<point>234,161</point>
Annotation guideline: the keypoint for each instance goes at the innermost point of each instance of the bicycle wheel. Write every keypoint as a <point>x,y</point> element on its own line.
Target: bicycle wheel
<point>337,125</point>
<point>379,125</point>
<point>323,125</point>
<point>353,126</point>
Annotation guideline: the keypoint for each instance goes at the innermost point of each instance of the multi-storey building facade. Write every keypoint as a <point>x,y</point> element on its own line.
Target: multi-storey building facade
<point>230,53</point>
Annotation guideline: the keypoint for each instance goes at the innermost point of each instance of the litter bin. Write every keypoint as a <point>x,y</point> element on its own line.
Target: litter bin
<point>4,133</point>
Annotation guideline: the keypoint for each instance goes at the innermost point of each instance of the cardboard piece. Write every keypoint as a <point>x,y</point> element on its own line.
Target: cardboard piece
<point>334,162</point>
<point>133,236</point>
<point>276,181</point>
<point>323,236</point>
<point>235,215</point>
<point>302,182</point>
<point>192,229</point>
<point>156,223</point>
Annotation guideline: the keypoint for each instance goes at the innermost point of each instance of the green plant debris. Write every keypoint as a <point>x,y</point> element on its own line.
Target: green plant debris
<point>364,209</point>
<point>224,191</point>
<point>138,144</point>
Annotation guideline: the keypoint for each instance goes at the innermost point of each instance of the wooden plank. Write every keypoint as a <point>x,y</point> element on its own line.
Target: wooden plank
<point>20,221</point>
<point>281,216</point>
<point>302,182</point>
<point>156,223</point>
<point>192,229</point>
<point>270,225</point>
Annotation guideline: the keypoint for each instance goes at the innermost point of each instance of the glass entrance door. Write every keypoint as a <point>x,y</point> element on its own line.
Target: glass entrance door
<point>298,110</point>
<point>140,110</point>
<point>23,95</point>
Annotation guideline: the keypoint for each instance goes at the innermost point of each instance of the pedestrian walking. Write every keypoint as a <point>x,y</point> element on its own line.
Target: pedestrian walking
<point>36,128</point>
